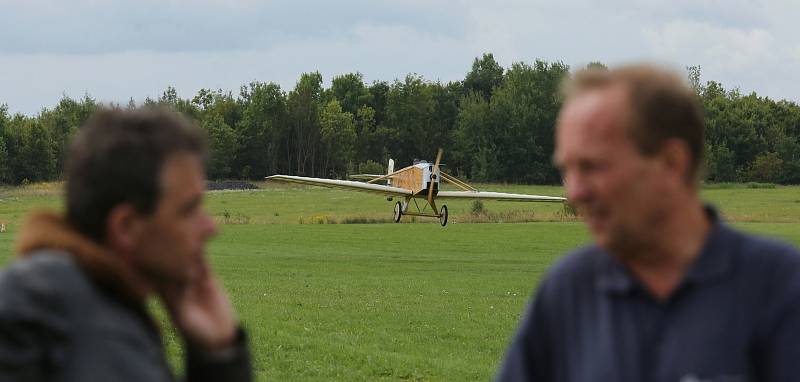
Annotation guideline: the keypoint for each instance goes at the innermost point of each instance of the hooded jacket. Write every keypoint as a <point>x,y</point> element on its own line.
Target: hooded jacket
<point>71,311</point>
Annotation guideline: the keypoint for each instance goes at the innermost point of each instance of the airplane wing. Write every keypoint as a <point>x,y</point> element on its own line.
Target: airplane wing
<point>342,184</point>
<point>497,196</point>
<point>365,176</point>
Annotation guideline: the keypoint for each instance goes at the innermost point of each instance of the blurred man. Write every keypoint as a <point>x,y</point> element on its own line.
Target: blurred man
<point>667,292</point>
<point>72,308</point>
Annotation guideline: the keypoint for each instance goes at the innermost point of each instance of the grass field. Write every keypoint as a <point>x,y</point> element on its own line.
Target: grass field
<point>390,301</point>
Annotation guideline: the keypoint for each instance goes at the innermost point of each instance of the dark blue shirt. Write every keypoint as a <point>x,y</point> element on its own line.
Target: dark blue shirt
<point>735,317</point>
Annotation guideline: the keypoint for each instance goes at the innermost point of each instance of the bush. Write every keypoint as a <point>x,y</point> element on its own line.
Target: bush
<point>570,210</point>
<point>238,218</point>
<point>759,185</point>
<point>767,167</point>
<point>371,167</point>
<point>478,207</point>
<point>727,185</point>
<point>317,219</point>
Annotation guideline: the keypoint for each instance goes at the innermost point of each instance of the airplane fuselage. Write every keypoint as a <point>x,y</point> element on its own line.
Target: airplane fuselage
<point>417,178</point>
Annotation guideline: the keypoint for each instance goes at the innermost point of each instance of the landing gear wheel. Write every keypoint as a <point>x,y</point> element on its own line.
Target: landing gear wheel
<point>398,212</point>
<point>443,216</point>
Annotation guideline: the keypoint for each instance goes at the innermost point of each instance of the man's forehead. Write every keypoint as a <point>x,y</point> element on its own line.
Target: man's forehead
<point>182,173</point>
<point>596,113</point>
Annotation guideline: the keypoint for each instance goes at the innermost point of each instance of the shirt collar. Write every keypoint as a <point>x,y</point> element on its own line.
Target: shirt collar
<point>716,257</point>
<point>714,261</point>
<point>612,276</point>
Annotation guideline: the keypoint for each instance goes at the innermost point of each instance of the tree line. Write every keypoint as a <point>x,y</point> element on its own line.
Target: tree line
<point>496,125</point>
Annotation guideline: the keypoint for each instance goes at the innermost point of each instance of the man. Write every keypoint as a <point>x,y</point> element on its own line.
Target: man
<point>667,292</point>
<point>72,308</point>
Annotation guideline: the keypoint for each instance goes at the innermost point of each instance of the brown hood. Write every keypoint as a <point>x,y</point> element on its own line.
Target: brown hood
<point>46,230</point>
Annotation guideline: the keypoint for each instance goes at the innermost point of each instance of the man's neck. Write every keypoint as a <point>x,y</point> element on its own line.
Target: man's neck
<point>662,264</point>
<point>139,280</point>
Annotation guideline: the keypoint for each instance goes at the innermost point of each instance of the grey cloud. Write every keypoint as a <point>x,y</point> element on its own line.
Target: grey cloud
<point>379,52</point>
<point>117,50</point>
<point>110,27</point>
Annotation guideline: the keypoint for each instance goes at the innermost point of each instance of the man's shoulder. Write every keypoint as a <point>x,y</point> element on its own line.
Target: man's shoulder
<point>43,269</point>
<point>577,268</point>
<point>577,263</point>
<point>760,249</point>
<point>773,264</point>
<point>46,281</point>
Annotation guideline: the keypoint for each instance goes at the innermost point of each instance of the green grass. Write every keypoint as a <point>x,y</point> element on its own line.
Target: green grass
<point>278,204</point>
<point>389,301</point>
<point>362,302</point>
<point>778,205</point>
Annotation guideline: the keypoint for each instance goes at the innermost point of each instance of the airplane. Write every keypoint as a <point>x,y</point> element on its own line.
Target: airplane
<point>418,181</point>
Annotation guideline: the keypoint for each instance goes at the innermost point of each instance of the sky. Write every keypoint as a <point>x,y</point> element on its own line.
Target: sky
<point>118,50</point>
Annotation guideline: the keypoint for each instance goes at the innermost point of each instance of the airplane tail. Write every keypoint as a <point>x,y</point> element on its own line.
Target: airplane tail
<point>389,171</point>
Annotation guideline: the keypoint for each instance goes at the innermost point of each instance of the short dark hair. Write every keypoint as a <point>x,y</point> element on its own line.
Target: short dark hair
<point>117,158</point>
<point>662,105</point>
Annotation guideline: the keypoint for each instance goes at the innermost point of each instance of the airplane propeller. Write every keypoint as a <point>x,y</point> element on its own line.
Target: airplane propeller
<point>433,180</point>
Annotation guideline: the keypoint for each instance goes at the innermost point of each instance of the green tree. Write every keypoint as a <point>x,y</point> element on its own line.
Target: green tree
<point>304,103</point>
<point>30,150</point>
<point>510,137</point>
<point>447,102</point>
<point>788,150</point>
<point>380,137</point>
<point>485,76</point>
<point>378,92</point>
<point>169,98</point>
<point>473,139</point>
<point>219,103</point>
<point>263,139</point>
<point>721,164</point>
<point>63,121</point>
<point>410,119</point>
<point>526,105</point>
<point>350,91</point>
<point>222,145</point>
<point>6,176</point>
<point>367,141</point>
<point>730,122</point>
<point>338,135</point>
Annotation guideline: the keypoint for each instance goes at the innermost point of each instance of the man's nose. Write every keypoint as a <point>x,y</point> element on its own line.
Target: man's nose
<point>209,226</point>
<point>577,188</point>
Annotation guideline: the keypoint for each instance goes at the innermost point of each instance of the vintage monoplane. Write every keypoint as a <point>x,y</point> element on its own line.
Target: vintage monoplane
<point>418,181</point>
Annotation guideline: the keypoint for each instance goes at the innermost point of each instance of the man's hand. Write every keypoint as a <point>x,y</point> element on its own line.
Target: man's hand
<point>201,311</point>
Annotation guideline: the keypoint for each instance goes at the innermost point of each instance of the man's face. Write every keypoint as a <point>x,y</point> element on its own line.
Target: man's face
<point>614,186</point>
<point>173,242</point>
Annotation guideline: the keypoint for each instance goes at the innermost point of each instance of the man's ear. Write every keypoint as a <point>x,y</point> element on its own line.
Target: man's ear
<point>124,227</point>
<point>676,159</point>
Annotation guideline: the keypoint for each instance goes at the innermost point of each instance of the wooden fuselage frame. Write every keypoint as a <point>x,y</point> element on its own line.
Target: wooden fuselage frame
<point>414,178</point>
